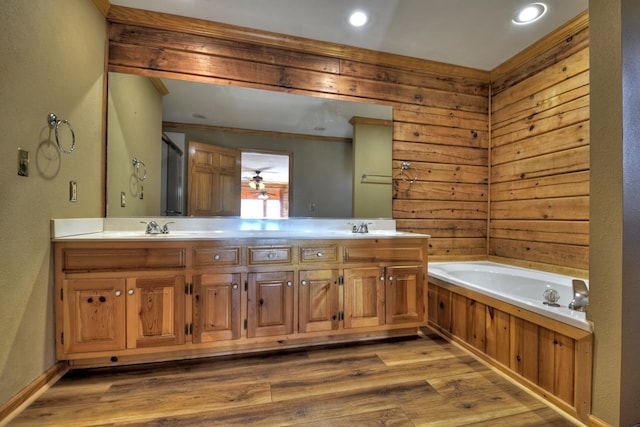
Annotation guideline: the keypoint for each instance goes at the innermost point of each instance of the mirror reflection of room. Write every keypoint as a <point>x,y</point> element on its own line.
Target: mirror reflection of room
<point>324,181</point>
<point>265,185</point>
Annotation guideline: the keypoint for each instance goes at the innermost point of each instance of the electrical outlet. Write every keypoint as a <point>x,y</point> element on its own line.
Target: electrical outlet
<point>73,191</point>
<point>23,162</point>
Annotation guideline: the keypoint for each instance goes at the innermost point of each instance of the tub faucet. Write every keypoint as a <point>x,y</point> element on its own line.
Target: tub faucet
<point>580,296</point>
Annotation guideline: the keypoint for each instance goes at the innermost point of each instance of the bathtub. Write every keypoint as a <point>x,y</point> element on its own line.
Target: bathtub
<point>521,287</point>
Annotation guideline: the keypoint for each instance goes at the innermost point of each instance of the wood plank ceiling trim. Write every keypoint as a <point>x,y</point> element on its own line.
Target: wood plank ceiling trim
<point>124,15</point>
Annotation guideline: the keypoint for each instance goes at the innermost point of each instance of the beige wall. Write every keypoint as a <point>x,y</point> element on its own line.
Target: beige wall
<point>372,148</point>
<point>52,61</point>
<point>615,195</point>
<point>134,130</point>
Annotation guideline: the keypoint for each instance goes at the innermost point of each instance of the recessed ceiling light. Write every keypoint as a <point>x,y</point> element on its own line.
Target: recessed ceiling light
<point>529,13</point>
<point>358,19</point>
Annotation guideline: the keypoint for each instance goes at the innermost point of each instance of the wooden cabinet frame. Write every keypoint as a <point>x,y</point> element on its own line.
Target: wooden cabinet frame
<point>201,298</point>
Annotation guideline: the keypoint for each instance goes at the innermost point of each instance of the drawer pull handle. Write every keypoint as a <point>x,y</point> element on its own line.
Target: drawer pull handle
<point>102,299</point>
<point>271,255</point>
<point>304,283</point>
<point>319,254</point>
<point>216,257</point>
<point>131,291</point>
<point>118,293</point>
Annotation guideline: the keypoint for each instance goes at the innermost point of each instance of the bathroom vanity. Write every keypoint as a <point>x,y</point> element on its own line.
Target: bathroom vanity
<point>210,288</point>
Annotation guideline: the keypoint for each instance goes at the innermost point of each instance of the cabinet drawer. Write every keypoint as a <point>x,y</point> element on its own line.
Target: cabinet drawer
<point>122,258</point>
<point>269,255</point>
<point>328,253</point>
<point>381,254</point>
<point>212,255</point>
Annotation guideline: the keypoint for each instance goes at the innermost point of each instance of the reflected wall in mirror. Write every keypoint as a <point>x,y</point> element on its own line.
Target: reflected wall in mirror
<point>143,116</point>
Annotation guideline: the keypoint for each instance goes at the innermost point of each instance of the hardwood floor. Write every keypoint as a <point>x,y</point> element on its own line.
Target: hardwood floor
<point>422,380</point>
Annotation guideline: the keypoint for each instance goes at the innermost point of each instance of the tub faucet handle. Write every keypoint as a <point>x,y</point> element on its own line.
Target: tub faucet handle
<point>580,295</point>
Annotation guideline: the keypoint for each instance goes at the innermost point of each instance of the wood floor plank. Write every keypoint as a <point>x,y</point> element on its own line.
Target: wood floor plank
<point>421,380</point>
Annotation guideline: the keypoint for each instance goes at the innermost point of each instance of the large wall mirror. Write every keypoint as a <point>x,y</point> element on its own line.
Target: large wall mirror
<point>337,153</point>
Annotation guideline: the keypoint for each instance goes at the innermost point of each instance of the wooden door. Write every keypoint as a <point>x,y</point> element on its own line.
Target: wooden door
<point>94,315</point>
<point>364,297</point>
<point>155,311</point>
<point>213,180</point>
<point>216,307</point>
<point>404,295</point>
<point>270,304</point>
<point>318,300</point>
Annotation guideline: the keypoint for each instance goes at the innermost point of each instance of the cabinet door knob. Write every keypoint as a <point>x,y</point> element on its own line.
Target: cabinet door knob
<point>289,284</point>
<point>216,257</point>
<point>234,286</point>
<point>382,278</point>
<point>303,283</point>
<point>131,291</point>
<point>391,278</point>
<point>118,293</point>
<point>319,254</point>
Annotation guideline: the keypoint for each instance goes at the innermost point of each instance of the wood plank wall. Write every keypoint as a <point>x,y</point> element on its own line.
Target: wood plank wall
<point>440,111</point>
<point>539,191</point>
<point>536,208</point>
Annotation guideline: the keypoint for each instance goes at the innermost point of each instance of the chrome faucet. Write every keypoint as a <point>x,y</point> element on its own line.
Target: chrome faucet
<point>155,228</point>
<point>363,227</point>
<point>580,296</point>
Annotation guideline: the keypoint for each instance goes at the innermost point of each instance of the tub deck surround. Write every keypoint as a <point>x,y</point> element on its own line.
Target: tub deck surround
<point>87,229</point>
<point>547,349</point>
<point>521,287</point>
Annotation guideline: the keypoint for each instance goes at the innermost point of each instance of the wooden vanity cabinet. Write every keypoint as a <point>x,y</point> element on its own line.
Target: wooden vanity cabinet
<point>319,300</point>
<point>270,304</point>
<point>216,307</point>
<point>146,300</point>
<point>105,313</point>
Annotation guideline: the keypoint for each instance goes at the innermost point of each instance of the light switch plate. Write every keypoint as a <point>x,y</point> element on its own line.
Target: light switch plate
<point>23,162</point>
<point>73,191</point>
<point>123,199</point>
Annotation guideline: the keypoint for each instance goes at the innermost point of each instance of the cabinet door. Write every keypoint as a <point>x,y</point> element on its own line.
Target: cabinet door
<point>216,307</point>
<point>318,300</point>
<point>363,297</point>
<point>94,315</point>
<point>155,311</point>
<point>270,304</point>
<point>404,295</point>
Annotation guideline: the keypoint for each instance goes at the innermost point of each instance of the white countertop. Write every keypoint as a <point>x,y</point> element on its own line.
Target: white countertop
<point>100,229</point>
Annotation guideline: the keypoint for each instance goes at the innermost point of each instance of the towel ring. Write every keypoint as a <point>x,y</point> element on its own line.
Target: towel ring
<point>54,123</point>
<point>137,163</point>
<point>404,173</point>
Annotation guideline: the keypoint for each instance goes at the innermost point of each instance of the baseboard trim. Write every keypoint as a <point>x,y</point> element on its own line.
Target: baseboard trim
<point>596,422</point>
<point>10,408</point>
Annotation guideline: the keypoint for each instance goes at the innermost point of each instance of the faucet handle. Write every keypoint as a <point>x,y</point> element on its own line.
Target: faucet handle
<point>165,228</point>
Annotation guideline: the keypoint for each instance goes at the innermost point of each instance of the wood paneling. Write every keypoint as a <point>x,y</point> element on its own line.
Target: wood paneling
<point>520,160</point>
<point>440,111</point>
<point>539,197</point>
<point>551,357</point>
